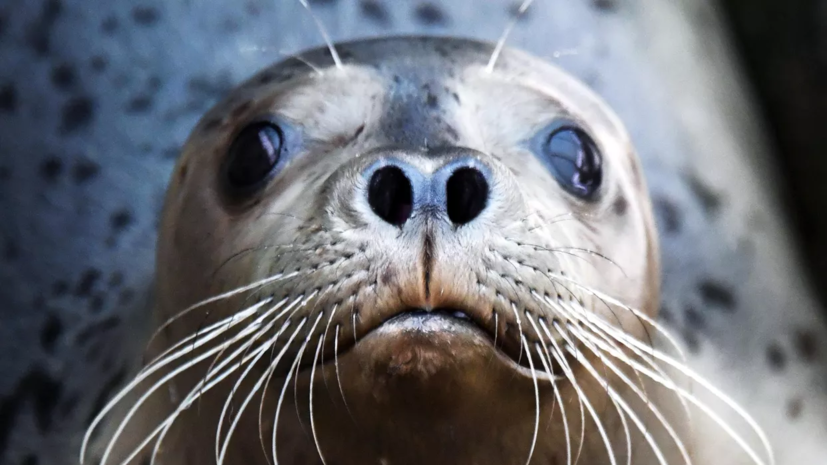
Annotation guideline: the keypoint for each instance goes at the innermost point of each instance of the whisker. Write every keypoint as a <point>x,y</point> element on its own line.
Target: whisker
<point>195,393</point>
<point>316,70</point>
<point>146,372</point>
<point>293,368</point>
<point>261,407</point>
<point>324,338</point>
<point>536,398</point>
<point>312,420</point>
<point>602,328</point>
<point>658,327</point>
<point>569,373</point>
<point>568,216</point>
<point>501,43</point>
<point>240,253</point>
<point>239,380</point>
<point>210,380</point>
<point>558,355</point>
<point>614,395</point>
<point>353,324</point>
<point>226,295</point>
<point>571,312</point>
<point>276,318</point>
<point>566,249</point>
<point>281,53</point>
<point>496,328</point>
<point>573,329</point>
<point>236,317</point>
<point>254,390</point>
<point>125,391</point>
<point>555,282</point>
<point>519,329</point>
<point>691,398</point>
<point>333,53</point>
<point>558,398</point>
<point>309,334</point>
<point>285,250</point>
<point>338,377</point>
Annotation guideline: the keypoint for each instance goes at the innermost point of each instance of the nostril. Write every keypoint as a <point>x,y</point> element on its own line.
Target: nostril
<point>467,193</point>
<point>390,195</point>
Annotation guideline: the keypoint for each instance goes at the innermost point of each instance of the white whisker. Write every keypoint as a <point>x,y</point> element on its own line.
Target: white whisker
<point>293,369</point>
<point>519,329</point>
<point>255,388</point>
<point>536,398</point>
<point>224,296</point>
<point>606,298</point>
<point>312,420</point>
<point>615,396</point>
<point>566,370</point>
<point>353,324</point>
<point>142,376</point>
<point>604,329</point>
<point>200,388</point>
<point>569,374</point>
<point>304,60</point>
<point>167,423</point>
<point>336,363</point>
<point>293,306</point>
<point>691,398</point>
<point>233,320</point>
<point>501,43</point>
<point>210,380</point>
<point>655,411</point>
<point>324,337</point>
<point>558,355</point>
<point>496,328</point>
<point>558,397</point>
<point>323,32</point>
<point>249,329</point>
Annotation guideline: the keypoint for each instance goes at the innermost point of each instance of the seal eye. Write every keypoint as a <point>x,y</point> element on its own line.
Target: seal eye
<point>253,155</point>
<point>575,161</point>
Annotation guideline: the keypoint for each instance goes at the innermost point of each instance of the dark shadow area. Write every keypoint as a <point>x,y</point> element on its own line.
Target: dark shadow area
<point>783,46</point>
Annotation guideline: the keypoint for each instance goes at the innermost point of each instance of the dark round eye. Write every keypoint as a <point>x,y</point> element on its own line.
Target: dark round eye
<point>253,155</point>
<point>575,161</point>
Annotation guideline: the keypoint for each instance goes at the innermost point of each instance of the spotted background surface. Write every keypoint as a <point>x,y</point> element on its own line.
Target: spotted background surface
<point>97,96</point>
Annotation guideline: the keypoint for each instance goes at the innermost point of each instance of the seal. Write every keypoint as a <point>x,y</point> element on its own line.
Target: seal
<point>409,250</point>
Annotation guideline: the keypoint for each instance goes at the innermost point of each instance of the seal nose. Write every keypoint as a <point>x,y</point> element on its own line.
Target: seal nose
<point>466,195</point>
<point>458,190</point>
<point>390,195</point>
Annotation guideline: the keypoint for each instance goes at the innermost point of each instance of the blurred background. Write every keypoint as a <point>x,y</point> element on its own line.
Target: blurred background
<point>97,97</point>
<point>782,48</point>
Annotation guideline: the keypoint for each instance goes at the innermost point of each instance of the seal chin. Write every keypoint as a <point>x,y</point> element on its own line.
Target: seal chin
<point>422,387</point>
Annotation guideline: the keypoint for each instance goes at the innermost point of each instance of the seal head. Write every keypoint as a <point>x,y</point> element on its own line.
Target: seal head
<point>418,261</point>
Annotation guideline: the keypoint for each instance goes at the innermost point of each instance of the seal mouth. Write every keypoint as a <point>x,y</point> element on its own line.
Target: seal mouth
<point>462,324</point>
<point>454,329</point>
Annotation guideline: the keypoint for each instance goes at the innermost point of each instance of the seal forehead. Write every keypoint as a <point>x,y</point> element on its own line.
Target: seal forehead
<point>414,74</point>
<point>426,77</point>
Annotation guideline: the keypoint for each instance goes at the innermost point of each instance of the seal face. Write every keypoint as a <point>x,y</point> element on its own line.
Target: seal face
<point>406,259</point>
